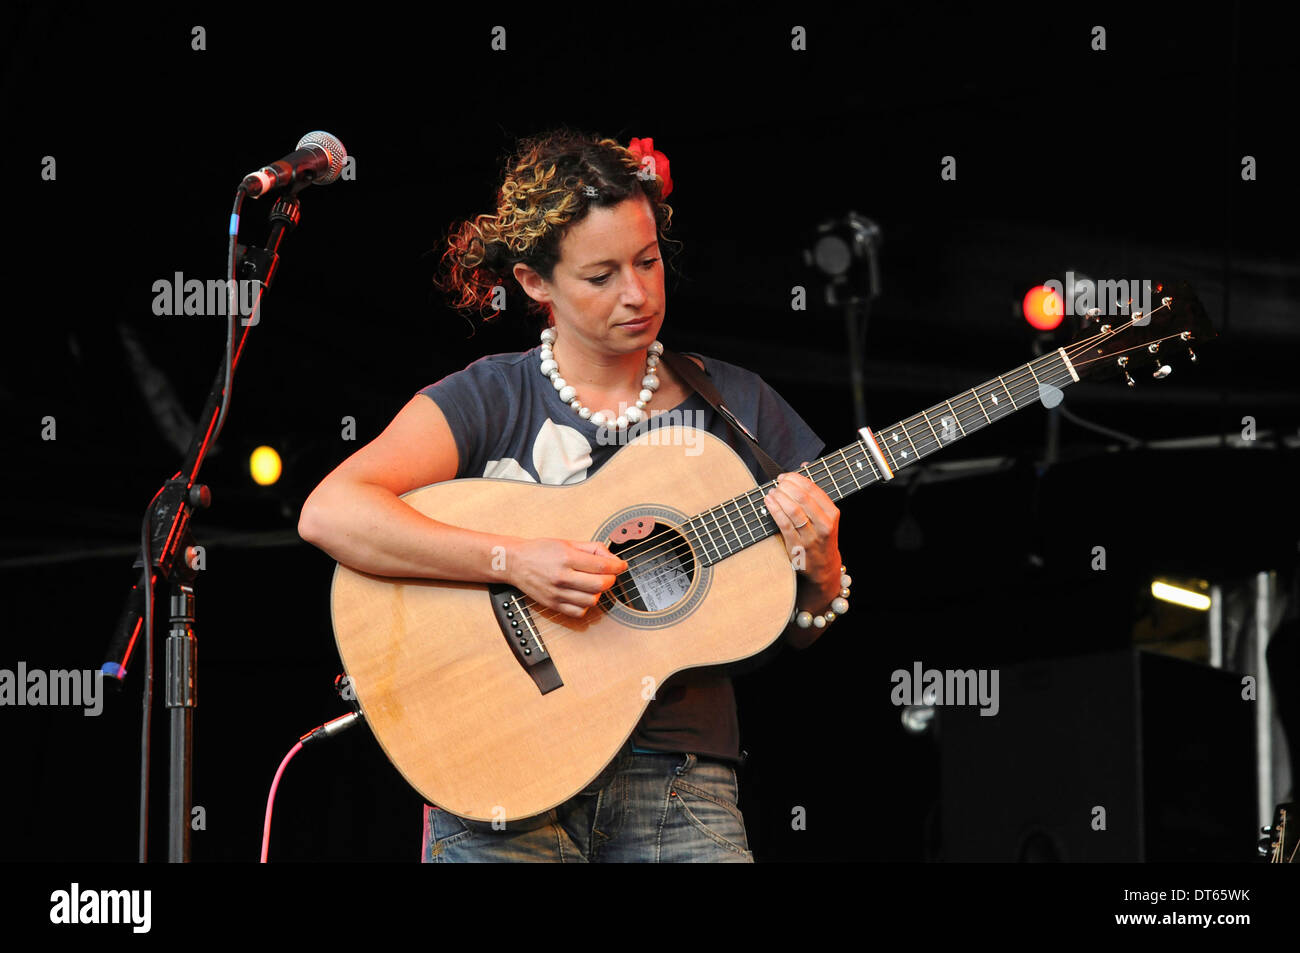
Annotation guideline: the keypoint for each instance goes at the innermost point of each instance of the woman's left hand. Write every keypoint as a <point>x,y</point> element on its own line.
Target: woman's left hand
<point>810,521</point>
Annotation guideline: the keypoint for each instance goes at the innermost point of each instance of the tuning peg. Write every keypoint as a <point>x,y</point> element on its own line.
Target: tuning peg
<point>1162,370</point>
<point>1123,363</point>
<point>1187,336</point>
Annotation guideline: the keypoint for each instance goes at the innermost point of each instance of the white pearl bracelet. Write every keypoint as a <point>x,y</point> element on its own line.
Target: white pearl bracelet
<point>839,606</point>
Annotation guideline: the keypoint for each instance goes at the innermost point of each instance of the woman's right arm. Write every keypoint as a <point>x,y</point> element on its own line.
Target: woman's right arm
<point>356,517</point>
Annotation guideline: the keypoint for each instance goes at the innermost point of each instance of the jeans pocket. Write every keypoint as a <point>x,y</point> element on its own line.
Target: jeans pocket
<point>713,811</point>
<point>441,829</point>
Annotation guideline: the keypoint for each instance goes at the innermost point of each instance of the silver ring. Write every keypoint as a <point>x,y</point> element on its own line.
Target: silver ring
<point>802,525</point>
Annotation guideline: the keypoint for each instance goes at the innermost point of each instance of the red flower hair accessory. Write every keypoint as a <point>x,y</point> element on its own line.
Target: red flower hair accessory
<point>646,147</point>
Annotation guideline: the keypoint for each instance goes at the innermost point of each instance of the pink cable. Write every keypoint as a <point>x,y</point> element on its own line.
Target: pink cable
<point>270,800</point>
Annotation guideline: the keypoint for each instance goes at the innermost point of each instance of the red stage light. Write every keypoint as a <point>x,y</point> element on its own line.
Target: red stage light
<point>1044,308</point>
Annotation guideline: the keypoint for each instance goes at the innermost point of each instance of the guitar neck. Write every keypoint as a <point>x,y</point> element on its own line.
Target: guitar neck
<point>743,520</point>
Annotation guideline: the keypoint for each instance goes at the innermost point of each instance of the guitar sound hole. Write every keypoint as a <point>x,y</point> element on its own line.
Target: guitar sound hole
<point>659,571</point>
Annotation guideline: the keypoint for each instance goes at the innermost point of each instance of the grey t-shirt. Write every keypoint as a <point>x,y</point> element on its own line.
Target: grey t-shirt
<point>509,422</point>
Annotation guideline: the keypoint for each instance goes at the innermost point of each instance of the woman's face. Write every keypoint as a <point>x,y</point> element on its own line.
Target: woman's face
<point>609,276</point>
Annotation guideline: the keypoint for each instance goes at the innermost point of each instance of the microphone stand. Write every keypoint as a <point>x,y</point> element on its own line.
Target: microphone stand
<point>857,315</point>
<point>170,546</point>
<point>856,305</point>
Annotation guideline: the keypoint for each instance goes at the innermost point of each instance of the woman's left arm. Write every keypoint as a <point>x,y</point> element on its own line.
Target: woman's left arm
<point>810,525</point>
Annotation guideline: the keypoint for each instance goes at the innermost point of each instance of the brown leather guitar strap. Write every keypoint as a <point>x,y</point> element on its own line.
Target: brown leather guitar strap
<point>690,372</point>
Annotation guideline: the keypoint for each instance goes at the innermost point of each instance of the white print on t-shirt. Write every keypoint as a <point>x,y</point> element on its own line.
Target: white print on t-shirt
<point>560,455</point>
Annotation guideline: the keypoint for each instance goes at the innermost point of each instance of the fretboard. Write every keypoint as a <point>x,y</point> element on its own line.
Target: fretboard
<point>730,526</point>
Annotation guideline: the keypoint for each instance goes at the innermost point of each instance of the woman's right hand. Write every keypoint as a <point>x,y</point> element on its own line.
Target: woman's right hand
<point>564,575</point>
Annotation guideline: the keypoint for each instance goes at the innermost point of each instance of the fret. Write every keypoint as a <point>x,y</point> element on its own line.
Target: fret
<point>856,484</point>
<point>745,519</point>
<point>1030,365</point>
<point>991,397</point>
<point>987,418</point>
<point>861,456</point>
<point>827,468</point>
<point>693,537</point>
<point>710,527</point>
<point>753,505</point>
<point>884,441</point>
<point>931,426</point>
<point>717,554</point>
<point>1053,371</point>
<point>735,532</point>
<point>1047,373</point>
<point>697,536</point>
<point>909,440</point>
<point>956,417</point>
<point>1014,405</point>
<point>722,530</point>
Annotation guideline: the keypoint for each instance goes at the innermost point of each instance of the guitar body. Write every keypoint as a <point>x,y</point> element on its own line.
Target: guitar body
<point>446,692</point>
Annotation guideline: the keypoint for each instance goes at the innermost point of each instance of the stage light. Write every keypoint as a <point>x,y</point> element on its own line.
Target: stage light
<point>844,250</point>
<point>1181,595</point>
<point>917,718</point>
<point>264,465</point>
<point>1043,308</point>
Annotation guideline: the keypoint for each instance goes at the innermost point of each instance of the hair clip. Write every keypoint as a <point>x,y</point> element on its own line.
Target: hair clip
<point>590,191</point>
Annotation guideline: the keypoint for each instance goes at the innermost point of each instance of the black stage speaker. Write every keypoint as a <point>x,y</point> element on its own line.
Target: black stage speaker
<point>1125,756</point>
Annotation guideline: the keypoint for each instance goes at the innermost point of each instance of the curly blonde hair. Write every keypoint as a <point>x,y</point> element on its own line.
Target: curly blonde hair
<point>544,193</point>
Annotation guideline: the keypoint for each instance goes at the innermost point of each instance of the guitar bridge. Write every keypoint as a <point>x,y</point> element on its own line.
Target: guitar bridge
<point>521,634</point>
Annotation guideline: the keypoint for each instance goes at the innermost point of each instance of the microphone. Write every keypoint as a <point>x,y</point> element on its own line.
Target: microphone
<point>318,160</point>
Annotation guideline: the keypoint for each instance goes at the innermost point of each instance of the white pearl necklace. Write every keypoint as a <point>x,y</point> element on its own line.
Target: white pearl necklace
<point>649,384</point>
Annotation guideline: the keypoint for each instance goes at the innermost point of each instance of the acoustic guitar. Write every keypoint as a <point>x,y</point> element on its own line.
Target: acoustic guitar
<point>496,708</point>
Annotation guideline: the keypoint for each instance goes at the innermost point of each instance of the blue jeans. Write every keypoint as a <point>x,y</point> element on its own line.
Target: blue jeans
<point>643,808</point>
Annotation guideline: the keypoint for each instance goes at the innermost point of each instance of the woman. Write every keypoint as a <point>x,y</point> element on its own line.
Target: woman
<point>578,228</point>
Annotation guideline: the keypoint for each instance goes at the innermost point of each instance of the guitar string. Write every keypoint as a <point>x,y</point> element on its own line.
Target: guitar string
<point>672,543</point>
<point>552,615</point>
<point>676,542</point>
<point>843,466</point>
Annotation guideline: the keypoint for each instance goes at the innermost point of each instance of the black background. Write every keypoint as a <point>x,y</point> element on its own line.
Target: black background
<point>1123,163</point>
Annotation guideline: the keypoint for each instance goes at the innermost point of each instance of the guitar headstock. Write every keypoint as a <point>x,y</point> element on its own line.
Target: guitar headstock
<point>1144,342</point>
<point>1279,842</point>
